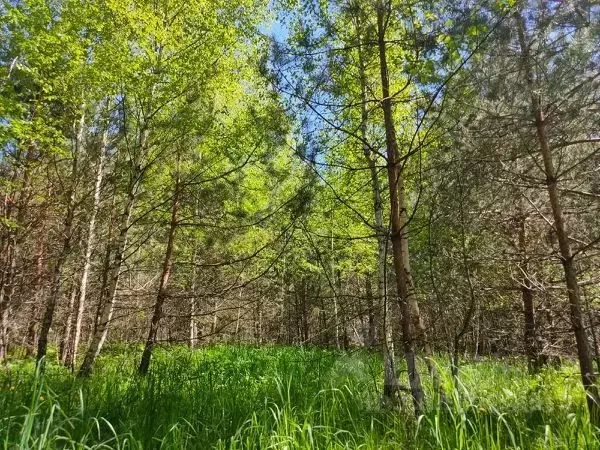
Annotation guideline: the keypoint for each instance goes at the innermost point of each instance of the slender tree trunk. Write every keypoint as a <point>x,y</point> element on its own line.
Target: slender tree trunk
<point>304,323</point>
<point>399,221</point>
<point>344,319</point>
<point>289,320</point>
<point>390,381</point>
<point>282,323</point>
<point>472,304</point>
<point>107,263</point>
<point>325,339</point>
<point>73,343</point>
<point>592,328</point>
<point>7,289</point>
<point>164,281</point>
<point>237,322</point>
<point>586,364</point>
<point>193,326</point>
<point>54,294</point>
<point>4,305</point>
<point>5,258</point>
<point>32,336</point>
<point>68,327</point>
<point>11,242</point>
<point>105,277</point>
<point>112,272</point>
<point>336,318</point>
<point>3,326</point>
<point>258,335</point>
<point>359,312</point>
<point>65,251</point>
<point>110,283</point>
<point>532,348</point>
<point>215,321</point>
<point>470,313</point>
<point>371,331</point>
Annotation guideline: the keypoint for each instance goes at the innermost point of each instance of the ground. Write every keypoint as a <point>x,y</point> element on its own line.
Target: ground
<point>284,397</point>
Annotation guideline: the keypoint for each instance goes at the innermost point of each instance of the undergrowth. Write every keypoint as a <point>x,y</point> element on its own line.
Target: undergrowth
<point>282,397</point>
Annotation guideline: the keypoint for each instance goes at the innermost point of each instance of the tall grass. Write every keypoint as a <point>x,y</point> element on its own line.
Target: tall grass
<point>276,397</point>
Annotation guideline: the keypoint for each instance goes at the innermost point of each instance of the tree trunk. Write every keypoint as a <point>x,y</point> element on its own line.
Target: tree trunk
<point>32,336</point>
<point>11,240</point>
<point>472,304</point>
<point>193,326</point>
<point>68,327</point>
<point>304,321</point>
<point>3,326</point>
<point>108,293</point>
<point>258,335</point>
<point>588,376</point>
<point>65,251</point>
<point>110,282</point>
<point>7,289</point>
<point>592,328</point>
<point>54,295</point>
<point>237,323</point>
<point>215,321</point>
<point>399,222</point>
<point>283,329</point>
<point>390,381</point>
<point>336,319</point>
<point>532,347</point>
<point>162,288</point>
<point>371,328</point>
<point>73,344</point>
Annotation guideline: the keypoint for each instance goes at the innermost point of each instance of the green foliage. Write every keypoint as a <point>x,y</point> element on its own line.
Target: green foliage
<point>278,397</point>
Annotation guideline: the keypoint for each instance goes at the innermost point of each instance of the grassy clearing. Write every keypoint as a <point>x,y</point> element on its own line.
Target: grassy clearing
<point>242,397</point>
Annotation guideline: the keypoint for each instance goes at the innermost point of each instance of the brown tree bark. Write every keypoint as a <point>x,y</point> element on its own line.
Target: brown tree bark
<point>162,287</point>
<point>65,250</point>
<point>303,323</point>
<point>215,321</point>
<point>32,335</point>
<point>258,322</point>
<point>472,303</point>
<point>370,333</point>
<point>532,344</point>
<point>111,274</point>
<point>73,344</point>
<point>193,326</point>
<point>586,366</point>
<point>399,222</point>
<point>390,381</point>
<point>67,332</point>
<point>11,238</point>
<point>336,314</point>
<point>7,289</point>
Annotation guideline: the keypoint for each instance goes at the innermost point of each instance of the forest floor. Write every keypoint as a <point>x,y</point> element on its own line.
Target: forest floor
<point>286,398</point>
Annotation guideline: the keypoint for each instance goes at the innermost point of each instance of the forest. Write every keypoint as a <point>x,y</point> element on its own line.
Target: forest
<point>300,224</point>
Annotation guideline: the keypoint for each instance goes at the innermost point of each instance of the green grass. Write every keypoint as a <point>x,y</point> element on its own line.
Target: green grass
<point>288,398</point>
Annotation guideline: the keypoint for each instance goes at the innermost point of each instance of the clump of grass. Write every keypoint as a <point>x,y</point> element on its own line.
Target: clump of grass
<point>281,397</point>
<point>498,405</point>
